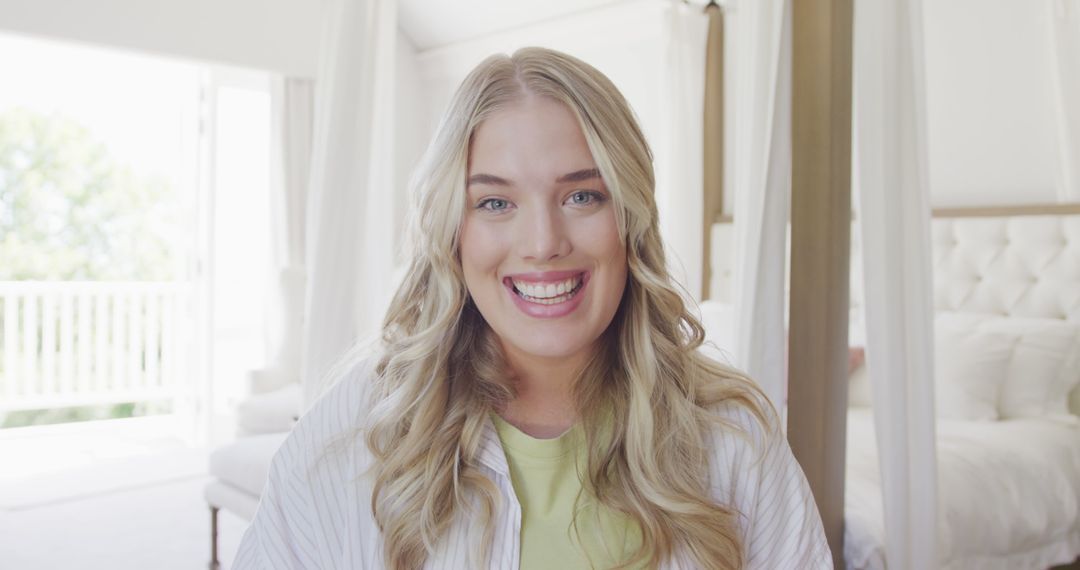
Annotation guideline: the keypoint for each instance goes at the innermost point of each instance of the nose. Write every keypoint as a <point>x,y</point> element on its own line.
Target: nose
<point>543,236</point>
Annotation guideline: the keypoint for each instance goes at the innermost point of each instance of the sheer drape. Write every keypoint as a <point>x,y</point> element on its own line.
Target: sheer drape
<point>350,221</point>
<point>293,124</point>
<point>680,152</point>
<point>762,190</point>
<point>1065,33</point>
<point>890,174</point>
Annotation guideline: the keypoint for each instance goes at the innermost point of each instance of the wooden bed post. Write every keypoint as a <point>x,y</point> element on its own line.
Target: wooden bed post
<point>713,145</point>
<point>820,240</point>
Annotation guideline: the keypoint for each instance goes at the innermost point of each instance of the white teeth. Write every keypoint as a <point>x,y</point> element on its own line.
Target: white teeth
<point>548,293</point>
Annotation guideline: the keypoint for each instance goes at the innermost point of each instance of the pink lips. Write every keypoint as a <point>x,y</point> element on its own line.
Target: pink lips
<point>539,311</point>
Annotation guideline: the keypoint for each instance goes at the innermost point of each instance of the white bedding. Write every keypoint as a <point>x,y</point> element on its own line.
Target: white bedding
<point>1009,494</point>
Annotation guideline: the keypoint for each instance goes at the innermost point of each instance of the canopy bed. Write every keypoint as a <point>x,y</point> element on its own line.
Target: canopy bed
<point>1007,366</point>
<point>1006,285</point>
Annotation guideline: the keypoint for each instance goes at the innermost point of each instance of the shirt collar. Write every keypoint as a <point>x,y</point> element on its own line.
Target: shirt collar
<point>492,455</point>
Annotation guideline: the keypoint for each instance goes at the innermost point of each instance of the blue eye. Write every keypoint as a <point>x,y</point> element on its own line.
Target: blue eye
<point>493,205</point>
<point>585,198</point>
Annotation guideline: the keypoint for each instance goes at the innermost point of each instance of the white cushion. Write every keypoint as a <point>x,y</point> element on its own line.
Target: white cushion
<point>271,412</point>
<point>1042,378</point>
<point>245,463</point>
<point>1042,371</point>
<point>970,368</point>
<point>859,395</point>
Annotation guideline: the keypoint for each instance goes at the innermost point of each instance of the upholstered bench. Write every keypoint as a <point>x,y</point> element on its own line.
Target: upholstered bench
<point>240,468</point>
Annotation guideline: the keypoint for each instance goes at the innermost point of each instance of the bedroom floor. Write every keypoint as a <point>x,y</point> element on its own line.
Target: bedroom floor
<point>112,503</point>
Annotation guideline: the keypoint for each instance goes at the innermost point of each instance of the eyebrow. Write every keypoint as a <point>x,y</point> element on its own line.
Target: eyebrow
<point>576,176</point>
<point>487,179</point>
<point>579,176</point>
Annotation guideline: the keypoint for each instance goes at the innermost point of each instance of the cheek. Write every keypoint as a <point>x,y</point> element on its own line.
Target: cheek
<point>619,270</point>
<point>599,239</point>
<point>481,253</point>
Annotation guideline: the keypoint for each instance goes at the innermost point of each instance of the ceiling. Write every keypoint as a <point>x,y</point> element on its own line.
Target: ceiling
<point>435,23</point>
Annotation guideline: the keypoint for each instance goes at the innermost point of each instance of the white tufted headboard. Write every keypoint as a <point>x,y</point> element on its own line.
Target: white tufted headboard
<point>1021,266</point>
<point>1018,266</point>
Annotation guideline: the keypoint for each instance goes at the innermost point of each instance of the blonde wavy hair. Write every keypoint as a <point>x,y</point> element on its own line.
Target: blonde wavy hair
<point>647,390</point>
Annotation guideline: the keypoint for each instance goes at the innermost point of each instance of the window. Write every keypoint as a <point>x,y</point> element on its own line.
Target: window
<point>134,233</point>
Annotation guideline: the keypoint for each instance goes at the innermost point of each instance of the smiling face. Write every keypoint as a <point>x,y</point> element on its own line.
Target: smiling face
<point>540,247</point>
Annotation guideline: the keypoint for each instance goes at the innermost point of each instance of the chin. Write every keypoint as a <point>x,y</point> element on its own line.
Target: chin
<point>551,347</point>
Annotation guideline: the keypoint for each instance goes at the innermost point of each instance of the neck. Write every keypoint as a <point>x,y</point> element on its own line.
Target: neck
<point>544,405</point>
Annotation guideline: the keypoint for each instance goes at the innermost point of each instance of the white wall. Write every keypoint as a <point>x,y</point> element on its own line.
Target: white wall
<point>275,35</point>
<point>432,24</point>
<point>629,52</point>
<point>990,102</point>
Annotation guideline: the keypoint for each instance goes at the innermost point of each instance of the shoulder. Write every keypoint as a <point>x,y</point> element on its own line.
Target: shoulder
<point>314,499</point>
<point>741,439</point>
<point>343,405</point>
<point>744,424</point>
<point>754,472</point>
<point>334,424</point>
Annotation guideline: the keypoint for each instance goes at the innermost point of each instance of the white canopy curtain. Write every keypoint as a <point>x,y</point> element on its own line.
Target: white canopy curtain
<point>293,124</point>
<point>1065,28</point>
<point>763,190</point>
<point>890,174</point>
<point>680,152</point>
<point>350,222</point>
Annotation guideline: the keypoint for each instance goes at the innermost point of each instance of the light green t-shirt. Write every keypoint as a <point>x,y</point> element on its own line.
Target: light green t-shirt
<point>546,480</point>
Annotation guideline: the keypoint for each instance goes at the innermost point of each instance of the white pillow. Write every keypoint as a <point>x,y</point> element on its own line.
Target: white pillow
<point>1043,369</point>
<point>859,395</point>
<point>970,368</point>
<point>270,412</point>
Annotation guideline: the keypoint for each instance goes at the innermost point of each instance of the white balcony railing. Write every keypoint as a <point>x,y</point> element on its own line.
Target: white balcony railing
<point>82,343</point>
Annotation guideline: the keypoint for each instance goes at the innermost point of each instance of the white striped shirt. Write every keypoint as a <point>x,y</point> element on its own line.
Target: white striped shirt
<point>317,514</point>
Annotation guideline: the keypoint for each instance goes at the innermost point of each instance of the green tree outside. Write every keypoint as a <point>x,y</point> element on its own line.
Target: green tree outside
<point>69,211</point>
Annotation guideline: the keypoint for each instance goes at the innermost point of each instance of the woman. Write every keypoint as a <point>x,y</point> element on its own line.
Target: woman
<point>538,400</point>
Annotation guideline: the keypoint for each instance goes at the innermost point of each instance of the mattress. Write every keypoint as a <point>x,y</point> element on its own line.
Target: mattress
<point>1009,494</point>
